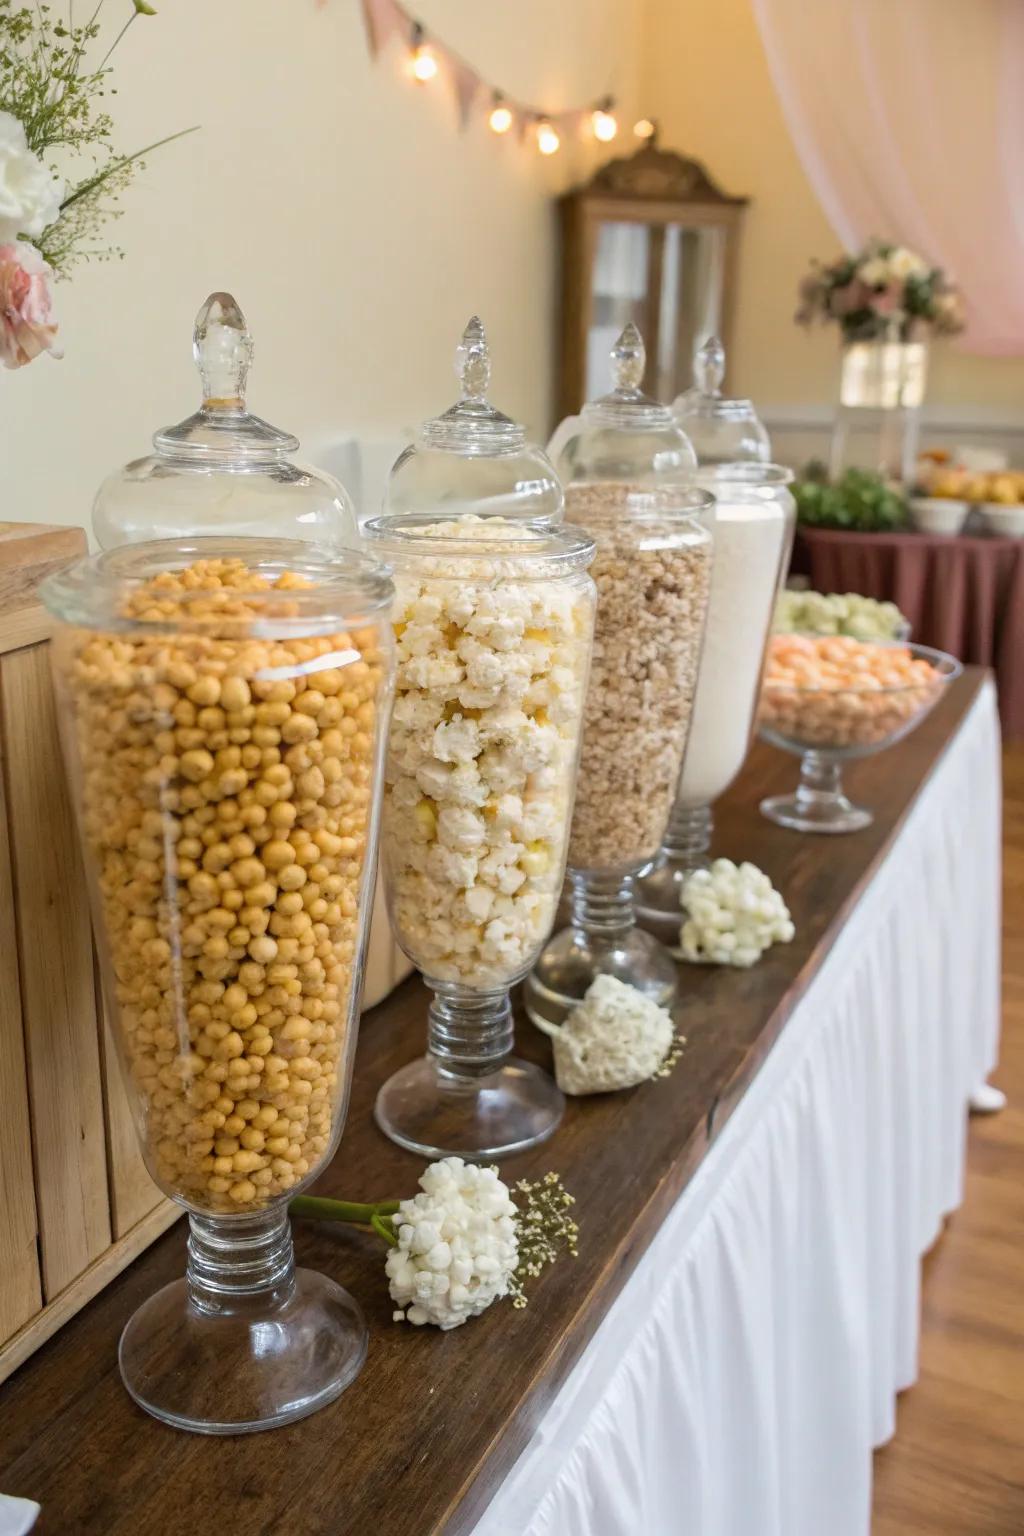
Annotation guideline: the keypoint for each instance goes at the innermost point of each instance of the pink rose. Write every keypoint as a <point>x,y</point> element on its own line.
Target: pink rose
<point>27,325</point>
<point>889,301</point>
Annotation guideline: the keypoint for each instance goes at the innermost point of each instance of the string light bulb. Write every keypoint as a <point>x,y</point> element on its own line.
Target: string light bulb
<point>548,141</point>
<point>604,123</point>
<point>500,119</point>
<point>645,129</point>
<point>424,61</point>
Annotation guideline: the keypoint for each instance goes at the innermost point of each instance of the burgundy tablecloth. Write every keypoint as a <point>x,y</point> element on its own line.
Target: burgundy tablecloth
<point>963,595</point>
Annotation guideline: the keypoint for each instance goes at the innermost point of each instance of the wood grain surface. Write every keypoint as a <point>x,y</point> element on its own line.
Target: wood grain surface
<point>422,1439</point>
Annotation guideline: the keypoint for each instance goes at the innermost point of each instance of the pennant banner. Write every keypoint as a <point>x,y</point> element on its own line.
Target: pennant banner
<point>389,18</point>
<point>383,18</point>
<point>466,83</point>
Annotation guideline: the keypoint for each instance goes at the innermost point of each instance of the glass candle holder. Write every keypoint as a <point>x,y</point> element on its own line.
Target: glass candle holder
<point>223,708</point>
<point>494,622</point>
<point>754,519</point>
<point>652,570</point>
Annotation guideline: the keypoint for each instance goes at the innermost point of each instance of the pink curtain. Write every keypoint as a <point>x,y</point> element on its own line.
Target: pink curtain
<point>908,117</point>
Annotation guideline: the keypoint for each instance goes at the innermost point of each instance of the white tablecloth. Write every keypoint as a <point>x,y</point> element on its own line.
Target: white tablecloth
<point>746,1371</point>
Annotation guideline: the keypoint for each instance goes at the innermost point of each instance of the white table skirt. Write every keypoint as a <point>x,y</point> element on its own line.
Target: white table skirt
<point>749,1366</point>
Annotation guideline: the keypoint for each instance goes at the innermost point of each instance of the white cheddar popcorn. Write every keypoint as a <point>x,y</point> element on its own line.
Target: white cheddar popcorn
<point>481,758</point>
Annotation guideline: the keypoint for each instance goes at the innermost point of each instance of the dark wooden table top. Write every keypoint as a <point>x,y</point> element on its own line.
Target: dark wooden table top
<point>422,1440</point>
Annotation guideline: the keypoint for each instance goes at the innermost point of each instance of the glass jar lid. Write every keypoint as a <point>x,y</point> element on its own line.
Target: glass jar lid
<point>721,430</point>
<point>222,471</point>
<point>473,458</point>
<point>625,435</point>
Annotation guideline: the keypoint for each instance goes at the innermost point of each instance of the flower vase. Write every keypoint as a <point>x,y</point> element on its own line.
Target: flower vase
<point>881,390</point>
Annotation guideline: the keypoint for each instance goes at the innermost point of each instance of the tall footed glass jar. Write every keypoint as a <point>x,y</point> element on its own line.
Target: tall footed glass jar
<point>494,622</point>
<point>754,519</point>
<point>627,466</point>
<point>223,707</point>
<point>652,571</point>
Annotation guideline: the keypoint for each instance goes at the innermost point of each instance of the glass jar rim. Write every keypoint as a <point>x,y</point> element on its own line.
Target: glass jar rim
<point>347,584</point>
<point>651,503</point>
<point>558,548</point>
<point>747,472</point>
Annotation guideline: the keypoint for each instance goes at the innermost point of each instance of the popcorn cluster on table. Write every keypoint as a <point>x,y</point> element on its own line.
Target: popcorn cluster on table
<point>615,1038</point>
<point>479,778</point>
<point>733,914</point>
<point>457,1250</point>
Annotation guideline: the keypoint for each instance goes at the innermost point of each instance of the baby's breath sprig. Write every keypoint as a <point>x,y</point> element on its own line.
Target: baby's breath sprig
<point>678,1047</point>
<point>543,1229</point>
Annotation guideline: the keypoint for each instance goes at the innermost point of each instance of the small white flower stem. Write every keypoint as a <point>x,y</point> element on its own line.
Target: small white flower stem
<point>376,1216</point>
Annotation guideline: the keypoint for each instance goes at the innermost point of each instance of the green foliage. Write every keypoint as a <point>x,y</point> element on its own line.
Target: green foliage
<point>58,95</point>
<point>859,501</point>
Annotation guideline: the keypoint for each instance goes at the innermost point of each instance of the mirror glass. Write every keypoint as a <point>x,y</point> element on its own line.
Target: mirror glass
<point>666,278</point>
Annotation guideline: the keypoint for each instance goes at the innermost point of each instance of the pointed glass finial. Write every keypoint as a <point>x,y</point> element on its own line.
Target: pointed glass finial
<point>629,359</point>
<point>709,367</point>
<point>222,347</point>
<point>473,361</point>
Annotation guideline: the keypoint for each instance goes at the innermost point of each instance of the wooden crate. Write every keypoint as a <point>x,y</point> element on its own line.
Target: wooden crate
<point>76,1202</point>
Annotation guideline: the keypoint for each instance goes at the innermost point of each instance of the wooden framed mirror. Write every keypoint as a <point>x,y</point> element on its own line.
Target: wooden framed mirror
<point>650,238</point>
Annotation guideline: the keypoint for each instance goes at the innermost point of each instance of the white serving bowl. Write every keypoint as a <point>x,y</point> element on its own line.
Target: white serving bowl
<point>1004,520</point>
<point>938,514</point>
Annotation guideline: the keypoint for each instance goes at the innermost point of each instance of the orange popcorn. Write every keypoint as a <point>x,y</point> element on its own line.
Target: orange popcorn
<point>831,691</point>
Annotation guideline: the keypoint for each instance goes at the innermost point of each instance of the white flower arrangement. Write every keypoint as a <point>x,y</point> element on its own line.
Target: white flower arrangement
<point>883,291</point>
<point>615,1038</point>
<point>733,914</point>
<point>49,105</point>
<point>463,1242</point>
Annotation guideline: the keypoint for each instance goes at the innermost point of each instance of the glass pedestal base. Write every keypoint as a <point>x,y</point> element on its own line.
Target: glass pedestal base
<point>818,803</point>
<point>437,1113</point>
<point>800,815</point>
<point>574,959</point>
<point>246,1341</point>
<point>659,895</point>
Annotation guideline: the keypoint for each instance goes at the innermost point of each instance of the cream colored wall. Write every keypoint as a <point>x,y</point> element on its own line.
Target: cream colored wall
<point>338,201</point>
<point>705,78</point>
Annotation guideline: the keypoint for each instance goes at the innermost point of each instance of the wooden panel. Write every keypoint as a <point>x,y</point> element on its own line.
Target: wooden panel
<point>100,1273</point>
<point>132,1192</point>
<point>20,1293</point>
<point>28,552</point>
<point>424,1436</point>
<point>58,994</point>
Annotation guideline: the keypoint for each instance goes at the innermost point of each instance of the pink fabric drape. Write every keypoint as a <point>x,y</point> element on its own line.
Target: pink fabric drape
<point>908,118</point>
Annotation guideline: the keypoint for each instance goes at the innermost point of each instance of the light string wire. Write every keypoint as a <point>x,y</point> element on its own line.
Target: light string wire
<point>426,51</point>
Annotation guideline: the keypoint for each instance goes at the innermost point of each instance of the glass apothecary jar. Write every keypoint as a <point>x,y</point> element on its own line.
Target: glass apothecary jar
<point>494,623</point>
<point>222,472</point>
<point>473,458</point>
<point>652,570</point>
<point>223,707</point>
<point>754,520</point>
<point>722,431</point>
<point>625,437</point>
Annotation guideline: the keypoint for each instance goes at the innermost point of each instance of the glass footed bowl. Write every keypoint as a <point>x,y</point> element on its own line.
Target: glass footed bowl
<point>827,725</point>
